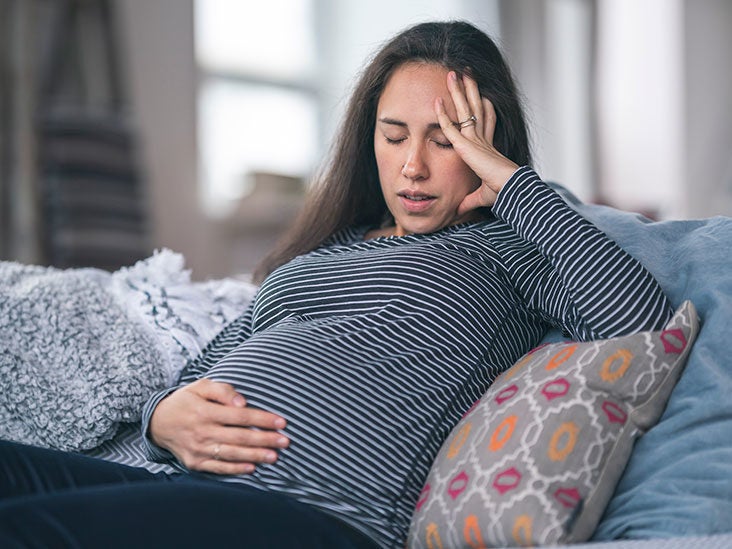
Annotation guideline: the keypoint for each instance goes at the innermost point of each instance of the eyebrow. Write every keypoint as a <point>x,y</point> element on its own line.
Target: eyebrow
<point>401,124</point>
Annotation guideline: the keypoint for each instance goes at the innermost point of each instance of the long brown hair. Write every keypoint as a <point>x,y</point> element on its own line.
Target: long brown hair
<point>346,191</point>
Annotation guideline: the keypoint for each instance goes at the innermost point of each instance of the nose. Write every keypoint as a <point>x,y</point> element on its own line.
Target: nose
<point>415,167</point>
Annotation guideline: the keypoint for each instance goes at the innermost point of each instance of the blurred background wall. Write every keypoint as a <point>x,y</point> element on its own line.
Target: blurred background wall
<point>231,103</point>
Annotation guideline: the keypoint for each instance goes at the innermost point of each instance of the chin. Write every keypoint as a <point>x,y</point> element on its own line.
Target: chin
<point>424,228</point>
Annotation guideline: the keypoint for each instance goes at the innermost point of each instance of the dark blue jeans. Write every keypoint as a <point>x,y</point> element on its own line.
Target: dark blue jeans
<point>55,499</point>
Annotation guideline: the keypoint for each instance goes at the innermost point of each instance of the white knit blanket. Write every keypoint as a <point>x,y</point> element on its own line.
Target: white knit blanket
<point>81,350</point>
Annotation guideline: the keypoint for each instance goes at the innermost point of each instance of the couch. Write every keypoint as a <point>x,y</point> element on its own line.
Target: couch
<point>674,489</point>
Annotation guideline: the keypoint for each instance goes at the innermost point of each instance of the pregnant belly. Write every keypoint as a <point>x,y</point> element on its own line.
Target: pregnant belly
<point>358,411</point>
<point>318,376</point>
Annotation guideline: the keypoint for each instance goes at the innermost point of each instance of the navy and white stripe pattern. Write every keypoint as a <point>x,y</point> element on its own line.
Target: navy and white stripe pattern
<point>374,349</point>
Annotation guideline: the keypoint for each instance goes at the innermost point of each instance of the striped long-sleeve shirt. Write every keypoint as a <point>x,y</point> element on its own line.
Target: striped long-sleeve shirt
<point>374,349</point>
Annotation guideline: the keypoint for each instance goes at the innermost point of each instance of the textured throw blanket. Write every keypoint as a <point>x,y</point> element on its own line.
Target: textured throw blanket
<point>81,350</point>
<point>73,364</point>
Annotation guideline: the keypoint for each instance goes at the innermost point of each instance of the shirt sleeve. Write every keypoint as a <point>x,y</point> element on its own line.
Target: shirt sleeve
<point>233,335</point>
<point>580,280</point>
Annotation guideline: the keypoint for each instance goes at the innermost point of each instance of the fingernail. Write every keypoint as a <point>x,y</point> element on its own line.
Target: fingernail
<point>280,423</point>
<point>248,468</point>
<point>283,442</point>
<point>239,401</point>
<point>270,457</point>
<point>452,75</point>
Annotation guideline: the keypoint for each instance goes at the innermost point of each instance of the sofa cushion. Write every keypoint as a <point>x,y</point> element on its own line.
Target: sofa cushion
<point>536,460</point>
<point>678,481</point>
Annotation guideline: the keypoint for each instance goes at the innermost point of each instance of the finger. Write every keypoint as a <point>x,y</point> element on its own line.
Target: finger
<point>232,412</point>
<point>238,454</point>
<point>217,391</point>
<point>252,438</point>
<point>489,120</point>
<point>248,417</point>
<point>474,101</point>
<point>474,200</point>
<point>220,467</point>
<point>469,203</point>
<point>457,94</point>
<point>217,447</point>
<point>446,124</point>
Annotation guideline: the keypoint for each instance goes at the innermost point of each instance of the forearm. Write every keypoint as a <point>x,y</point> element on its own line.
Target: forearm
<point>608,292</point>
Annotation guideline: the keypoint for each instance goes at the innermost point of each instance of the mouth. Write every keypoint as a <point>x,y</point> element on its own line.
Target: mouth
<point>415,201</point>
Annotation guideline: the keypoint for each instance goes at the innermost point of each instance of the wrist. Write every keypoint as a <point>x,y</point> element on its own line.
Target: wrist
<point>501,176</point>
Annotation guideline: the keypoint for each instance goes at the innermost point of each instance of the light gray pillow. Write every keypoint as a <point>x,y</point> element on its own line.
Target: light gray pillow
<point>536,460</point>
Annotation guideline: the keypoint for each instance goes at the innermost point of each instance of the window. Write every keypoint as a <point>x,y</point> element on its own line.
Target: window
<point>258,104</point>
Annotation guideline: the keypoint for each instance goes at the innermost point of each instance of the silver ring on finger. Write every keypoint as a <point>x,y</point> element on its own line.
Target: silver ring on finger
<point>469,121</point>
<point>217,452</point>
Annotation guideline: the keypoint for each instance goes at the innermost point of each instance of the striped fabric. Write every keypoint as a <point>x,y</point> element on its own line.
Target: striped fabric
<point>374,349</point>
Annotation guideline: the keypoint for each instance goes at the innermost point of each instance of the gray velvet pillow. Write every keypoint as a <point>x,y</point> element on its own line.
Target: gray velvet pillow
<point>536,460</point>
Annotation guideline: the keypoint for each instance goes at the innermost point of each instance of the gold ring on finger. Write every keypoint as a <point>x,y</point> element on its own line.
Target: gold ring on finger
<point>469,121</point>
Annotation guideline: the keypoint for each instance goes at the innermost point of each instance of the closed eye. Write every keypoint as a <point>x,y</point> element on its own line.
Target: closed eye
<point>394,141</point>
<point>441,145</point>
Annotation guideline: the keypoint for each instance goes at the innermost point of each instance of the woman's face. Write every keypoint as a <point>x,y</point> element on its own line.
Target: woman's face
<point>422,178</point>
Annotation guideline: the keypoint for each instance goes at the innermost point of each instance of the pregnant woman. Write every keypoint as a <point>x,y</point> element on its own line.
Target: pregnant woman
<point>429,257</point>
